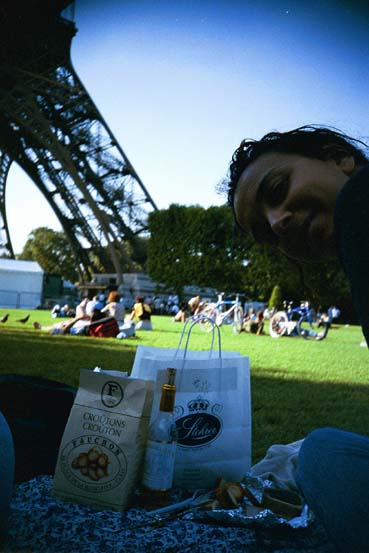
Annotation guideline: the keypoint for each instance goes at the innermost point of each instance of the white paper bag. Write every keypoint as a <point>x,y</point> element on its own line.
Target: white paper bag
<point>212,412</point>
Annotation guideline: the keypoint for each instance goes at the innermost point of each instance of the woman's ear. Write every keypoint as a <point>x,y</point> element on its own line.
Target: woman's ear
<point>347,164</point>
<point>341,157</point>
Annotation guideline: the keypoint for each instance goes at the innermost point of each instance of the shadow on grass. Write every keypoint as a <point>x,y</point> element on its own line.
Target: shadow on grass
<point>284,408</point>
<point>61,357</point>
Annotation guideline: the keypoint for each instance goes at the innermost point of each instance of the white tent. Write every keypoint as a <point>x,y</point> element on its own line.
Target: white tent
<point>20,284</point>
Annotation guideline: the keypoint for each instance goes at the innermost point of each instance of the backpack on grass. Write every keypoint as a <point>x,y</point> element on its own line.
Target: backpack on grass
<point>107,328</point>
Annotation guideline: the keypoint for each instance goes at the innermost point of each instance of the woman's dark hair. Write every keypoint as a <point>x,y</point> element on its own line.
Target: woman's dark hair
<point>308,141</point>
<point>139,299</point>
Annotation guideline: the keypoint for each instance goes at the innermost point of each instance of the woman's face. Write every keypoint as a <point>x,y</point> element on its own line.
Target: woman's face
<point>288,200</point>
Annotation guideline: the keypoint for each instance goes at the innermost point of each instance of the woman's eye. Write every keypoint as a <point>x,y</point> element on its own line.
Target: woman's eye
<point>276,192</point>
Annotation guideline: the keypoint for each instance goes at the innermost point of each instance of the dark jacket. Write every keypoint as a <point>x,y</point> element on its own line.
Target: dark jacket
<point>351,221</point>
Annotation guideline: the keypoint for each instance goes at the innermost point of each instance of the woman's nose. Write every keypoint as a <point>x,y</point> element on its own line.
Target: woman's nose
<point>280,221</point>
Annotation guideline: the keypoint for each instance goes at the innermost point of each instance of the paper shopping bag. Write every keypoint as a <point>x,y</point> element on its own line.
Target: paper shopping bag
<point>102,448</point>
<point>212,412</point>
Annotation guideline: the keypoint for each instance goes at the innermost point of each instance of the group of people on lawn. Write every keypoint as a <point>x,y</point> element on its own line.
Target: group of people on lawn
<point>89,311</point>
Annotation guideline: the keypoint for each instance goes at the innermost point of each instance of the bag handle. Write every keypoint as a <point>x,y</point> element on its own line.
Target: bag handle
<point>192,322</point>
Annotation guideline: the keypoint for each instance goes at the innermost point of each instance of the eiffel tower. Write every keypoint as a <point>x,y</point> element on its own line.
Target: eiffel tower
<point>50,126</point>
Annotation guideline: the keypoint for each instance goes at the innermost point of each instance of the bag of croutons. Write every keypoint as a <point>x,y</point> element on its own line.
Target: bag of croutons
<point>102,448</point>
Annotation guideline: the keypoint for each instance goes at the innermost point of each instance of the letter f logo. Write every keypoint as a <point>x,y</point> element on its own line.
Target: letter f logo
<point>112,387</point>
<point>111,394</point>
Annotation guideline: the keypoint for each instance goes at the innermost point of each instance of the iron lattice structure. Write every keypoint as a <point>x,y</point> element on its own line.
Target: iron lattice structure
<point>50,126</point>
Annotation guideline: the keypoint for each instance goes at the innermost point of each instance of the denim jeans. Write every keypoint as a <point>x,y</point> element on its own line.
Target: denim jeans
<point>333,476</point>
<point>6,474</point>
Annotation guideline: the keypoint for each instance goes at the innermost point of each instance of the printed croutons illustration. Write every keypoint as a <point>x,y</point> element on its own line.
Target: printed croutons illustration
<point>93,464</point>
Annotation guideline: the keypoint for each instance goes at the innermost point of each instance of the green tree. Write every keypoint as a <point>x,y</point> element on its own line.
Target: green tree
<point>169,248</point>
<point>327,284</point>
<point>193,245</point>
<point>275,300</point>
<point>134,254</point>
<point>52,251</point>
<point>265,267</point>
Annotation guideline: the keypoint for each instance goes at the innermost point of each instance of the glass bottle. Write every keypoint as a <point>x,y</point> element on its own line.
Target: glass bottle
<point>162,441</point>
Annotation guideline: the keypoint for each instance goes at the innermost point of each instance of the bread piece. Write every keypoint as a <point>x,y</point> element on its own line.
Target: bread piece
<point>229,494</point>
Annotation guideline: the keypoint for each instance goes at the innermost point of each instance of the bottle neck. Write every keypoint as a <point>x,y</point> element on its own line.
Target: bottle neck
<point>168,394</point>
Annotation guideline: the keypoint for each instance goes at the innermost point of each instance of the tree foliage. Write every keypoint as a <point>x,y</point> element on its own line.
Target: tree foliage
<point>193,245</point>
<point>52,251</point>
<point>275,300</point>
<point>320,283</point>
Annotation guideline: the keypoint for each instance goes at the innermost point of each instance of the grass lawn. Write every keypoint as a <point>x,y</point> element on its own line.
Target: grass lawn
<point>296,385</point>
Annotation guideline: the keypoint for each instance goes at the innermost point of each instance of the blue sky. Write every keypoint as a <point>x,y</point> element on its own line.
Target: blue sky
<point>182,83</point>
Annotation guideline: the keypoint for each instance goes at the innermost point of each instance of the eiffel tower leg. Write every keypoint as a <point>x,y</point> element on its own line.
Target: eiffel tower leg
<point>6,248</point>
<point>51,127</point>
<point>81,255</point>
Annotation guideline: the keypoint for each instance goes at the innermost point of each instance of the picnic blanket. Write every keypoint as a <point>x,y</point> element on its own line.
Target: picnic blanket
<point>40,523</point>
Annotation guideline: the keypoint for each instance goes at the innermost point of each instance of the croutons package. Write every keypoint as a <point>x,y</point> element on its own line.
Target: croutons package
<point>102,448</point>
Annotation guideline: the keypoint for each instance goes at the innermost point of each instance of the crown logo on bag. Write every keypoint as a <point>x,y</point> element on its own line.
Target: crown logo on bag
<point>197,405</point>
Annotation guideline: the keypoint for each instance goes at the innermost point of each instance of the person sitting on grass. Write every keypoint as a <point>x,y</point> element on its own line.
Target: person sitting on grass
<point>180,316</point>
<point>143,312</point>
<point>194,305</point>
<point>81,308</point>
<point>114,307</point>
<point>249,316</point>
<point>64,311</point>
<point>255,325</point>
<point>306,193</point>
<point>323,320</point>
<point>77,326</point>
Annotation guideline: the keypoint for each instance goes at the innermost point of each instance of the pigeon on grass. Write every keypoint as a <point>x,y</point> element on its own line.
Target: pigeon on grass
<point>24,320</point>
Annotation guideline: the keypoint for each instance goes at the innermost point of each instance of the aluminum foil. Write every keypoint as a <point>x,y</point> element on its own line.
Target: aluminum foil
<point>239,517</point>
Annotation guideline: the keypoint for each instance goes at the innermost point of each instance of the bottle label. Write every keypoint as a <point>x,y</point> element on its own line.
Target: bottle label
<point>159,465</point>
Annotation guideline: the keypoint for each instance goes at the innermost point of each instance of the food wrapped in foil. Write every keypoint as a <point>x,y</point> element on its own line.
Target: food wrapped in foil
<point>247,515</point>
